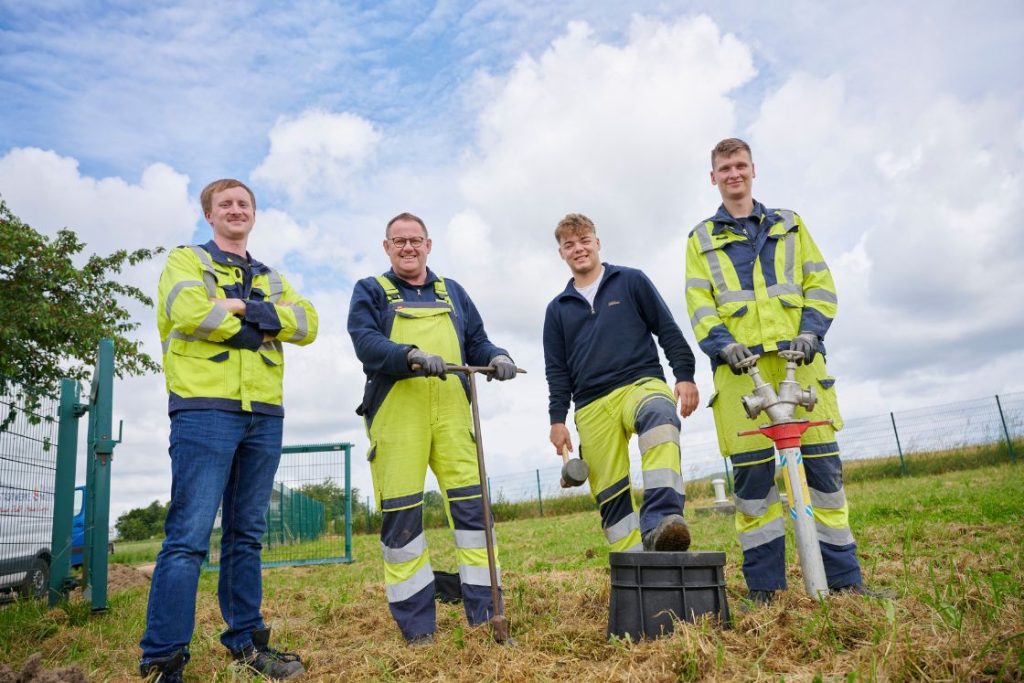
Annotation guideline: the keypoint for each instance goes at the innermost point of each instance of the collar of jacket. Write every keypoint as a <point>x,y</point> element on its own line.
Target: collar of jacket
<point>724,221</point>
<point>220,256</point>
<point>570,288</point>
<point>399,282</point>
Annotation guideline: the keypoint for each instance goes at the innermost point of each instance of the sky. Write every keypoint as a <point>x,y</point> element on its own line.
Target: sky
<point>896,130</point>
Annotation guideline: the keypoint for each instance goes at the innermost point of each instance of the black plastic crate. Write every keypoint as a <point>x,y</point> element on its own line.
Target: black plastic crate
<point>652,589</point>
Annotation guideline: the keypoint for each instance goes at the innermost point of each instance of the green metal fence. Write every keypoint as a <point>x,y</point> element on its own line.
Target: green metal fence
<point>37,486</point>
<point>910,435</point>
<point>309,520</point>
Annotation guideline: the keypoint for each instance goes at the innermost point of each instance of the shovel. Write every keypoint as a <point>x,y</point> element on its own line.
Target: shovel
<point>499,625</point>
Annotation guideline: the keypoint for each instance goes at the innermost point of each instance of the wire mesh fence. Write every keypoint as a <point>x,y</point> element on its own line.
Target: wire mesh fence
<point>961,426</point>
<point>309,520</point>
<point>28,455</point>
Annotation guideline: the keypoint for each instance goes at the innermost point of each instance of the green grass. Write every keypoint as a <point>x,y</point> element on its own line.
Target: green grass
<point>948,543</point>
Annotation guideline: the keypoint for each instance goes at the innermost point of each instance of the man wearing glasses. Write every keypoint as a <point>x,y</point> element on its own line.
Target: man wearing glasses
<point>599,352</point>
<point>406,325</point>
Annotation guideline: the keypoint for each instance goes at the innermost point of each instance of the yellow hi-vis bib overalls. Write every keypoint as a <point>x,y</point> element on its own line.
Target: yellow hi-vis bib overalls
<point>426,421</point>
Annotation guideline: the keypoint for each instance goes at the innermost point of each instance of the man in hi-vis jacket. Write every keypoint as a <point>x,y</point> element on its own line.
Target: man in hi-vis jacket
<point>222,317</point>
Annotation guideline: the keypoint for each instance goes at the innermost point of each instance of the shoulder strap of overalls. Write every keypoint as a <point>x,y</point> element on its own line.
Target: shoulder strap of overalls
<point>441,291</point>
<point>390,291</point>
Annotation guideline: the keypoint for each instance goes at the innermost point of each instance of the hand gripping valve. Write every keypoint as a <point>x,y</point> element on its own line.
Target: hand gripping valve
<point>785,431</point>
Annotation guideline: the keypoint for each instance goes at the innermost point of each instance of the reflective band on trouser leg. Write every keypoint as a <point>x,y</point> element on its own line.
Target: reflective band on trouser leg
<point>831,514</point>
<point>408,576</point>
<point>604,445</point>
<point>653,417</point>
<point>465,508</point>
<point>759,520</point>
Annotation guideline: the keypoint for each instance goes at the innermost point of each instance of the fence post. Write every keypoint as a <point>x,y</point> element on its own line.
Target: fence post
<point>489,496</point>
<point>1006,432</point>
<point>540,499</point>
<point>899,448</point>
<point>64,487</point>
<point>348,502</point>
<point>367,514</point>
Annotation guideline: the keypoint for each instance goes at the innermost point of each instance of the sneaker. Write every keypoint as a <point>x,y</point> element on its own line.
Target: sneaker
<point>263,659</point>
<point>671,535</point>
<point>861,589</point>
<point>170,669</point>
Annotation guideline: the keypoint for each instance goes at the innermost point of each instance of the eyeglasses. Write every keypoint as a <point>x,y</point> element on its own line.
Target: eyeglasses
<point>414,242</point>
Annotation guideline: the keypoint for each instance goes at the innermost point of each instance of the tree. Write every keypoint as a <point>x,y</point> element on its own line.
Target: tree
<point>55,313</point>
<point>142,523</point>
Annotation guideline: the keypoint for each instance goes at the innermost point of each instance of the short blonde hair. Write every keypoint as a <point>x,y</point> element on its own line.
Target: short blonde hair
<point>206,196</point>
<point>574,224</point>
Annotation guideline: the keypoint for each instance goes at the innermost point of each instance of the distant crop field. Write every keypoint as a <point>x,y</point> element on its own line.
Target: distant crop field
<point>948,544</point>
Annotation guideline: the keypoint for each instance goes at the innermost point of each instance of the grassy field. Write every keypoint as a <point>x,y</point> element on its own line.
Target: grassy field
<point>949,544</point>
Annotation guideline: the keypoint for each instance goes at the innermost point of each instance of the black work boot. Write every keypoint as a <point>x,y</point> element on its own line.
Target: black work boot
<point>169,669</point>
<point>671,535</point>
<point>265,660</point>
<point>861,589</point>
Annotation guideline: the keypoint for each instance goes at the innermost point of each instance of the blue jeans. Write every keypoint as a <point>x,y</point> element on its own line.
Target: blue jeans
<point>215,455</point>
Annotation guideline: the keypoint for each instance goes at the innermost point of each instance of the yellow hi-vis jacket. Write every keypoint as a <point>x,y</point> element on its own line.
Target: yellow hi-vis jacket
<point>762,297</point>
<point>213,359</point>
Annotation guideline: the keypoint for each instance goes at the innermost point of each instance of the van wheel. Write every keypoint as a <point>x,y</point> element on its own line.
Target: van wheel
<point>37,580</point>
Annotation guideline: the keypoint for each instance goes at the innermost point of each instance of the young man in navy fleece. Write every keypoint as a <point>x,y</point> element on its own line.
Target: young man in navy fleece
<point>599,352</point>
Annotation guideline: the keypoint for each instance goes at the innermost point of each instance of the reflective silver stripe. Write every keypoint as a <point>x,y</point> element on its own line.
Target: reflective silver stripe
<point>272,344</point>
<point>166,343</point>
<point>737,295</point>
<point>301,324</point>
<point>477,576</point>
<point>698,282</point>
<point>784,288</point>
<point>790,265</point>
<point>637,548</point>
<point>788,218</point>
<point>664,478</point>
<point>276,285</point>
<point>409,551</point>
<point>655,436</point>
<point>815,267</point>
<point>622,528</point>
<point>700,313</point>
<point>763,534</point>
<point>819,294</point>
<point>834,536</point>
<point>828,501</point>
<point>757,507</point>
<point>716,270</point>
<point>704,236</point>
<point>411,586</point>
<point>212,321</point>
<point>176,290</point>
<point>209,276</point>
<point>465,538</point>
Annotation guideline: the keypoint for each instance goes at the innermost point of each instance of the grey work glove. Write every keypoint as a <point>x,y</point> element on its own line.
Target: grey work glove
<point>431,365</point>
<point>807,343</point>
<point>504,369</point>
<point>733,354</point>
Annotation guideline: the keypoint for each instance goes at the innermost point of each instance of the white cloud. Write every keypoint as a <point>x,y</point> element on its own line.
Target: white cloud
<point>47,191</point>
<point>318,154</point>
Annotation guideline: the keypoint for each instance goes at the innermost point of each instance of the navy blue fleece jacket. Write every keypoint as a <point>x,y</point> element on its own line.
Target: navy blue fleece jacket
<point>590,352</point>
